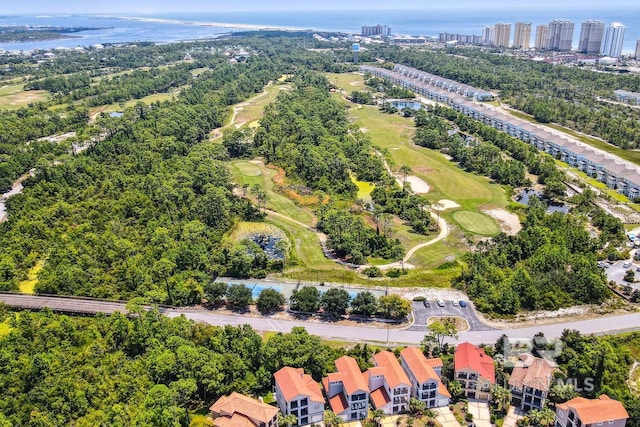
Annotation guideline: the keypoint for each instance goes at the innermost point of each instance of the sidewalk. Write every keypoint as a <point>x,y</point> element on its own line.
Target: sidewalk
<point>512,417</point>
<point>480,411</point>
<point>446,418</point>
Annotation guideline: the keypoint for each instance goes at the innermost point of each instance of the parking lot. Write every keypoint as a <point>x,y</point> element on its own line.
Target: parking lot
<point>617,270</point>
<point>422,313</point>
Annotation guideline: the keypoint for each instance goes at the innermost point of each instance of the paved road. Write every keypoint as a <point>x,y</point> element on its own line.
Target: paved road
<point>421,315</point>
<point>326,329</point>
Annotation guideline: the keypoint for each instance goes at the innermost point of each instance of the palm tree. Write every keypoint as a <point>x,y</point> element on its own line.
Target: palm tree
<point>331,419</point>
<point>376,415</point>
<point>500,396</point>
<point>287,420</point>
<point>405,171</point>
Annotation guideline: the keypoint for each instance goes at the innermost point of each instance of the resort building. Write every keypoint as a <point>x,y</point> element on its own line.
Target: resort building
<point>616,173</point>
<point>560,34</point>
<point>238,410</point>
<point>298,394</point>
<point>628,97</point>
<point>530,382</point>
<point>581,412</point>
<point>390,387</point>
<point>424,375</point>
<point>375,30</point>
<point>522,35</point>
<point>475,371</point>
<point>591,34</point>
<point>542,37</point>
<point>613,40</point>
<point>347,390</point>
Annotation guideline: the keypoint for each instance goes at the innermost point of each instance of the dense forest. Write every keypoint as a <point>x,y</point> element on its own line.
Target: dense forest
<point>150,370</point>
<point>565,95</point>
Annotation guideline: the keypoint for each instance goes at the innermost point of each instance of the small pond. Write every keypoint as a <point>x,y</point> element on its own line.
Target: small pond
<point>552,205</point>
<point>116,114</point>
<point>269,244</point>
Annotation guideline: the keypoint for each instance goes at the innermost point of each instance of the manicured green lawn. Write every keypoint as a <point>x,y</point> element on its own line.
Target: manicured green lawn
<point>476,223</point>
<point>13,96</point>
<point>245,172</point>
<point>252,110</point>
<point>347,81</point>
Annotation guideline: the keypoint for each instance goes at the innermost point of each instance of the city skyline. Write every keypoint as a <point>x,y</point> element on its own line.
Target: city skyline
<point>163,6</point>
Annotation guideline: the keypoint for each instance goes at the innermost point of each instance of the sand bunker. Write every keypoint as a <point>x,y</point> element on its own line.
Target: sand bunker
<point>417,185</point>
<point>445,204</point>
<point>509,222</point>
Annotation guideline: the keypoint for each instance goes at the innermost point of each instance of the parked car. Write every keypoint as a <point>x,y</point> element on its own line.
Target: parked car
<point>426,304</point>
<point>440,303</point>
<point>463,304</point>
<point>454,303</point>
<point>626,265</point>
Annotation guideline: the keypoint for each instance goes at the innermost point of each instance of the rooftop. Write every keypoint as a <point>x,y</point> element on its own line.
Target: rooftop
<point>393,372</point>
<point>468,356</point>
<point>293,382</point>
<point>532,372</point>
<point>418,365</point>
<point>240,410</point>
<point>596,410</point>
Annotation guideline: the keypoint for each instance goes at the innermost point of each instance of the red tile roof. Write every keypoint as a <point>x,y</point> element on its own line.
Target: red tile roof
<point>418,365</point>
<point>393,373</point>
<point>468,356</point>
<point>595,410</point>
<point>353,379</point>
<point>532,372</point>
<point>338,403</point>
<point>294,382</point>
<point>242,410</point>
<point>380,397</point>
<point>442,389</point>
<point>435,362</point>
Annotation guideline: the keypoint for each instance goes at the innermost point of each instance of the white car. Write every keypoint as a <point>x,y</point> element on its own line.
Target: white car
<point>626,265</point>
<point>440,303</point>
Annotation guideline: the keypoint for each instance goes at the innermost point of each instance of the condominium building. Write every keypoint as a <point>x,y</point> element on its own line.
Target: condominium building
<point>542,37</point>
<point>616,173</point>
<point>424,375</point>
<point>475,371</point>
<point>581,412</point>
<point>638,50</point>
<point>591,34</point>
<point>347,390</point>
<point>530,382</point>
<point>298,394</point>
<point>390,387</point>
<point>502,35</point>
<point>560,34</point>
<point>522,35</point>
<point>613,40</point>
<point>239,410</point>
<point>375,30</point>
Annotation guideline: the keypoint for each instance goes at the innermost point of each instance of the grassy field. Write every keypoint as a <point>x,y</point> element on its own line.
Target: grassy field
<point>393,134</point>
<point>150,99</point>
<point>245,172</point>
<point>476,223</point>
<point>28,286</point>
<point>630,155</point>
<point>4,328</point>
<point>13,96</point>
<point>364,189</point>
<point>250,112</point>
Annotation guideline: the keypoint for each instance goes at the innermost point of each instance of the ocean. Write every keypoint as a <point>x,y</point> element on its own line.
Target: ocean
<point>165,28</point>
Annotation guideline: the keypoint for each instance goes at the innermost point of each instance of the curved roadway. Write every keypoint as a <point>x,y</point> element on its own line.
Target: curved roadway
<point>360,333</point>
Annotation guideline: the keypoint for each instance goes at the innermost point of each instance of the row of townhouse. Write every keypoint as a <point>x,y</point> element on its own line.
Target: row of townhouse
<point>388,386</point>
<point>615,173</point>
<point>628,97</point>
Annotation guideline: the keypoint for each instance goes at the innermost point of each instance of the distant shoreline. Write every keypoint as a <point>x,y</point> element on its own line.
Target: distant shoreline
<point>210,24</point>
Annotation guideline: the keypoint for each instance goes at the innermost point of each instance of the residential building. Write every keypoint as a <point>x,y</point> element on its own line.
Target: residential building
<point>591,34</point>
<point>298,394</point>
<point>626,96</point>
<point>581,412</point>
<point>238,410</point>
<point>530,382</point>
<point>613,40</point>
<point>475,371</point>
<point>637,50</point>
<point>560,34</point>
<point>424,375</point>
<point>502,35</point>
<point>616,173</point>
<point>347,390</point>
<point>390,387</point>
<point>375,30</point>
<point>542,37</point>
<point>522,35</point>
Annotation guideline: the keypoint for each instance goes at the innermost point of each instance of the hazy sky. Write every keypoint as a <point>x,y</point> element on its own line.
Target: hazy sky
<point>159,6</point>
